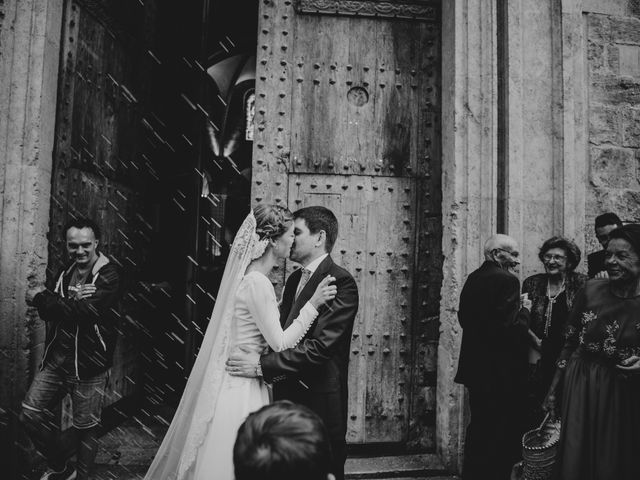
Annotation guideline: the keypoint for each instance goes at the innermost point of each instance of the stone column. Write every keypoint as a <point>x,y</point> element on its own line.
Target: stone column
<point>29,55</point>
<point>535,149</point>
<point>546,120</point>
<point>574,121</point>
<point>469,184</point>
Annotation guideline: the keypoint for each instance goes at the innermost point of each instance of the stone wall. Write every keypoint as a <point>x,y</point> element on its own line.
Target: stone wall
<point>30,47</point>
<point>2,15</point>
<point>613,69</point>
<point>573,107</point>
<point>572,143</point>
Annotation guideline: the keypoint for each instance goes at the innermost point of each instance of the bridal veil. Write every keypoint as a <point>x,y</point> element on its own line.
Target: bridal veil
<point>178,450</point>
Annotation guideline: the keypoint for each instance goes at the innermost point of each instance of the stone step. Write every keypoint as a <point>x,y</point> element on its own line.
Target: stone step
<point>137,472</point>
<point>396,467</point>
<point>438,477</point>
<point>128,448</point>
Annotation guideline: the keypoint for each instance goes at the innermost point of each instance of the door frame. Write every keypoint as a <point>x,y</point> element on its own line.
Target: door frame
<point>469,187</point>
<point>468,145</point>
<point>461,134</point>
<point>469,174</point>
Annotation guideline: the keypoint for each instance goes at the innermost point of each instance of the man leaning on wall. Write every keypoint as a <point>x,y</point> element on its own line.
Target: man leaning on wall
<point>80,309</point>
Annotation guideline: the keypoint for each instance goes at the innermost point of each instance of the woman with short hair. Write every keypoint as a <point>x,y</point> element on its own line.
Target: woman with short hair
<point>552,294</point>
<point>600,370</point>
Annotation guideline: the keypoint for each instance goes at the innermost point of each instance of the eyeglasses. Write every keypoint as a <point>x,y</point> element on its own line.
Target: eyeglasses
<point>548,257</point>
<point>515,254</point>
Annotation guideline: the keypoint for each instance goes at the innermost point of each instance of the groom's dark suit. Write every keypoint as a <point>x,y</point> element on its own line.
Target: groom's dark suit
<point>315,372</point>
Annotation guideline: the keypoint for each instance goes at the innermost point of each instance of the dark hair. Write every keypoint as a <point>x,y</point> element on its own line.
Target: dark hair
<point>571,249</point>
<point>608,218</point>
<point>81,222</point>
<point>272,220</point>
<point>320,218</point>
<point>630,233</point>
<point>282,441</point>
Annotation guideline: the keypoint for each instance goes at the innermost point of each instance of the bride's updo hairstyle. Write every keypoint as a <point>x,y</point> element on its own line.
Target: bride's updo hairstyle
<point>272,221</point>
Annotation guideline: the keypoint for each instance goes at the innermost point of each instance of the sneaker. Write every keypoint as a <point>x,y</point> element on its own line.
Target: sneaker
<point>69,473</point>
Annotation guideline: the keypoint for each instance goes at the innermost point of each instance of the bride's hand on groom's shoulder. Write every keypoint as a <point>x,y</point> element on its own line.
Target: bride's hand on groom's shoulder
<point>243,364</point>
<point>324,292</point>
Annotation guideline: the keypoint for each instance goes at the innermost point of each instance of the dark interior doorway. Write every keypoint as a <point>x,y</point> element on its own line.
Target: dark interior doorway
<point>206,98</point>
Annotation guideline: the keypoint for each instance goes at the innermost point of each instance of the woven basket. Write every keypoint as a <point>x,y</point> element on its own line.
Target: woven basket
<point>539,448</point>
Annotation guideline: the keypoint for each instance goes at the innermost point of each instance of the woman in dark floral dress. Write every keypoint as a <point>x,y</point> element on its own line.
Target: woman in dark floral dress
<point>600,366</point>
<point>552,295</point>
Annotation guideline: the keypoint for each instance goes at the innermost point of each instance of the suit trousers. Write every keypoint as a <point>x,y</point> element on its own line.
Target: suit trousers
<point>331,408</point>
<point>493,438</point>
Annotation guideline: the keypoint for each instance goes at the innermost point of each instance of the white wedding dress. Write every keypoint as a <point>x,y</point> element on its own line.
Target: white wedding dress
<point>256,325</point>
<point>199,442</point>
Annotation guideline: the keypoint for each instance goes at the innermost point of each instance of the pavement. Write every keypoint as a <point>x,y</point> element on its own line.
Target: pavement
<point>127,450</point>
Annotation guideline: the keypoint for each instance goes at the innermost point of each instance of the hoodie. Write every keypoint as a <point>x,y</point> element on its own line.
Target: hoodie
<point>93,319</point>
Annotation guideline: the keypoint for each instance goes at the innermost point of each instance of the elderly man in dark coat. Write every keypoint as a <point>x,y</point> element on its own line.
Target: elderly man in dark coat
<point>493,362</point>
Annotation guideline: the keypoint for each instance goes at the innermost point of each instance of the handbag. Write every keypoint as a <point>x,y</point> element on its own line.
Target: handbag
<point>539,448</point>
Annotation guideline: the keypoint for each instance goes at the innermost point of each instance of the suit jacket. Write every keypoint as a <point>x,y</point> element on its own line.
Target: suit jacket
<point>494,338</point>
<point>318,365</point>
<point>595,261</point>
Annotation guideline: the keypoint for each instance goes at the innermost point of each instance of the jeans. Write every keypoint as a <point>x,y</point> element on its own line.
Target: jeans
<point>48,388</point>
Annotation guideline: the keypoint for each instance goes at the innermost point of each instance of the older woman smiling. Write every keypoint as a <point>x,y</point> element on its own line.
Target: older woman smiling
<point>552,294</point>
<point>600,366</point>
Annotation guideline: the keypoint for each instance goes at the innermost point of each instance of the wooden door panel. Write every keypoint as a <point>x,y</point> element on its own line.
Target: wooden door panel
<point>373,80</point>
<point>380,255</point>
<point>348,117</point>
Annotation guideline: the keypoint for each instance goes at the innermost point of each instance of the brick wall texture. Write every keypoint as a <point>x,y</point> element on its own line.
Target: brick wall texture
<point>613,56</point>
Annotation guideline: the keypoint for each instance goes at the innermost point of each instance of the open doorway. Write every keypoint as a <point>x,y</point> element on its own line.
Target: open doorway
<point>203,103</point>
<point>208,98</point>
<point>228,94</point>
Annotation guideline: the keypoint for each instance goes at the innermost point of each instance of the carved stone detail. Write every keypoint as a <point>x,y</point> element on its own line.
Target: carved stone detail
<point>410,9</point>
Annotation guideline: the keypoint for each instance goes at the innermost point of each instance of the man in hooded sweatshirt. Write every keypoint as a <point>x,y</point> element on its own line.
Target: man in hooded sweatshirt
<point>80,308</point>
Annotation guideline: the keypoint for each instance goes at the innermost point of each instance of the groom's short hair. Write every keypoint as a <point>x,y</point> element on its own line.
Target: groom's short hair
<point>320,218</point>
<point>282,441</point>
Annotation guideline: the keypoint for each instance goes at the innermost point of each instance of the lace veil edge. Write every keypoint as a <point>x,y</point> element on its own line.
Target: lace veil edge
<point>188,429</point>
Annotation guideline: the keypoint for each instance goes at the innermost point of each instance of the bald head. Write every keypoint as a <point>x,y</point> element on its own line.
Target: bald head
<point>499,240</point>
<point>502,249</point>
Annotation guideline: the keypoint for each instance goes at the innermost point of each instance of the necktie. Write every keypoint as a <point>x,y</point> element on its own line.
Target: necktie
<point>306,274</point>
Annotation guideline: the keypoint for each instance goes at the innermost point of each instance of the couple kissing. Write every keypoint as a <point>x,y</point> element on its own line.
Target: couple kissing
<point>301,346</point>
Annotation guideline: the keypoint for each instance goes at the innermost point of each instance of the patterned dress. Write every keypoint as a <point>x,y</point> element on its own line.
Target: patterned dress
<point>541,374</point>
<point>600,437</point>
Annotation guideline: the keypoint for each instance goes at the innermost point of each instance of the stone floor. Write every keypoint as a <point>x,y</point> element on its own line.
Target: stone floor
<point>127,450</point>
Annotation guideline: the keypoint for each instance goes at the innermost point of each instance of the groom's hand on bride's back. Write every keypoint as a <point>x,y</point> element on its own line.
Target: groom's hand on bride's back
<point>243,364</point>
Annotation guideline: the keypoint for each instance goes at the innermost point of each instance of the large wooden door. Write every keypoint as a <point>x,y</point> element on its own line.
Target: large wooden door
<point>96,163</point>
<point>123,157</point>
<point>348,117</point>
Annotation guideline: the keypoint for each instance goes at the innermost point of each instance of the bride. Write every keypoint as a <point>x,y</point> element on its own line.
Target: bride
<point>199,442</point>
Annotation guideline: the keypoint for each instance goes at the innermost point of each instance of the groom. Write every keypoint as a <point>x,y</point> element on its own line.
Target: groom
<point>314,373</point>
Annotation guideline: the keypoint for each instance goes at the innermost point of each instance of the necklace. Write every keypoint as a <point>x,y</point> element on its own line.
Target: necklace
<point>551,300</point>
